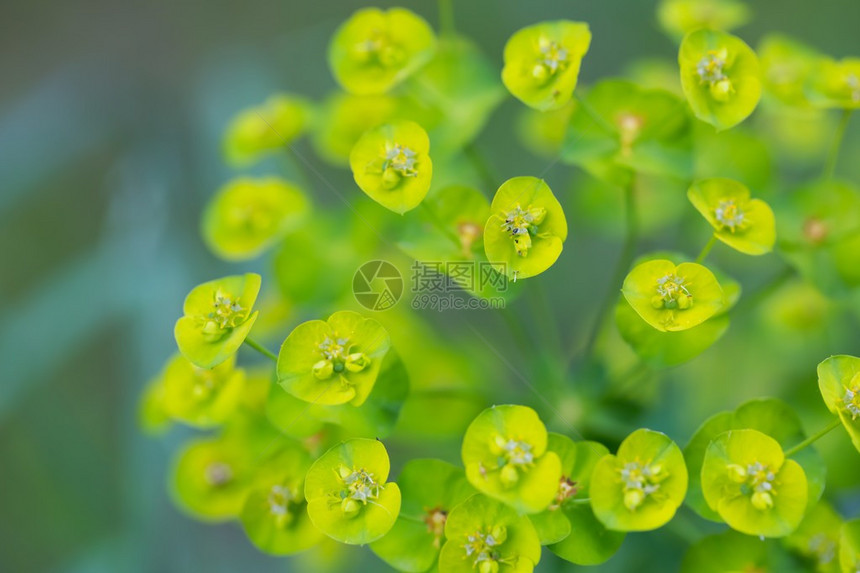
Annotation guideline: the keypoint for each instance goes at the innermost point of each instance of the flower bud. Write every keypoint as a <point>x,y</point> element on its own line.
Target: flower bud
<point>762,500</point>
<point>350,507</point>
<point>737,473</point>
<point>633,498</point>
<point>509,476</point>
<point>323,369</point>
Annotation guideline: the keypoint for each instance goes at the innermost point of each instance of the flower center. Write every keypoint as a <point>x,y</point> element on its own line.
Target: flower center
<point>204,385</point>
<point>758,480</point>
<point>553,58</point>
<point>336,358</point>
<point>218,474</point>
<point>469,232</point>
<point>710,70</point>
<point>522,225</point>
<point>359,488</point>
<point>851,398</point>
<point>398,161</point>
<point>815,230</point>
<point>511,456</point>
<point>640,480</point>
<point>566,490</point>
<point>226,313</point>
<point>629,126</point>
<point>435,520</point>
<point>729,215</point>
<point>672,293</point>
<point>482,548</point>
<point>822,547</point>
<point>377,48</point>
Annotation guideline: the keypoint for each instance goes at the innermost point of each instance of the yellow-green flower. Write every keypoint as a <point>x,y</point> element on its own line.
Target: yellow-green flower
<point>839,383</point>
<point>265,128</point>
<point>375,50</point>
<point>786,66</point>
<point>542,62</point>
<point>678,17</point>
<point>670,297</point>
<point>742,223</point>
<point>835,84</point>
<point>721,77</point>
<point>217,318</point>
<point>391,163</point>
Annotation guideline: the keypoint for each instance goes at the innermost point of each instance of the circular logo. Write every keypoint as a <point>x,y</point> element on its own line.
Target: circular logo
<point>377,285</point>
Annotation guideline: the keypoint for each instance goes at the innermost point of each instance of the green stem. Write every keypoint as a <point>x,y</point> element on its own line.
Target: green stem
<point>594,115</point>
<point>479,162</point>
<point>707,248</point>
<point>621,267</point>
<point>262,350</point>
<point>446,17</point>
<point>439,224</point>
<point>813,438</point>
<point>833,156</point>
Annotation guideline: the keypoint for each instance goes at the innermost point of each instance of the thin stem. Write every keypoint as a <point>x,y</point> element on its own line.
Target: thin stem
<point>261,349</point>
<point>707,248</point>
<point>628,249</point>
<point>446,17</point>
<point>479,162</point>
<point>437,222</point>
<point>593,113</point>
<point>814,437</point>
<point>833,155</point>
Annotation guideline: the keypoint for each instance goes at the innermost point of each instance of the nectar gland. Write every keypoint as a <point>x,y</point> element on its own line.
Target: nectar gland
<point>522,225</point>
<point>710,71</point>
<point>359,489</point>
<point>757,480</point>
<point>398,162</point>
<point>730,216</point>
<point>552,59</point>
<point>512,456</point>
<point>482,548</point>
<point>672,293</point>
<point>640,480</point>
<point>435,520</point>
<point>851,398</point>
<point>336,358</point>
<point>566,490</point>
<point>227,312</point>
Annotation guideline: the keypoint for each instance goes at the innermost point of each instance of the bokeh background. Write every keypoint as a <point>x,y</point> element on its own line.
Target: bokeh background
<point>111,116</point>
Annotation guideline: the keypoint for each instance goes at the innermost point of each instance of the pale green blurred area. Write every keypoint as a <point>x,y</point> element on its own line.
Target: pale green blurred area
<point>110,119</point>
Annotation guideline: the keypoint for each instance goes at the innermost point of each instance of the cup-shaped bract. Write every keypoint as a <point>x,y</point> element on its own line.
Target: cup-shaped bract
<point>568,525</point>
<point>817,537</point>
<point>344,118</point>
<point>835,84</point>
<point>217,319</point>
<point>429,490</point>
<point>265,128</point>
<point>619,127</point>
<point>849,547</point>
<point>201,397</point>
<point>347,494</point>
<point>786,65</point>
<point>731,551</point>
<point>248,215</point>
<point>542,62</point>
<point>526,230</point>
<point>486,536</point>
<point>376,49</point>
<point>274,514</point>
<point>748,481</point>
<point>391,163</point>
<point>506,457</point>
<point>211,477</point>
<point>769,416</point>
<point>641,487</point>
<point>747,225</point>
<point>334,361</point>
<point>678,17</point>
<point>839,382</point>
<point>721,77</point>
<point>673,297</point>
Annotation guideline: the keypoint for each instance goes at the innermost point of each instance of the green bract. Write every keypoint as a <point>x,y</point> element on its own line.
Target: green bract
<point>526,229</point>
<point>334,361</point>
<point>347,496</point>
<point>817,537</point>
<point>275,514</point>
<point>344,119</point>
<point>247,215</point>
<point>265,128</point>
<point>620,127</point>
<point>849,547</point>
<point>542,62</point>
<point>211,477</point>
<point>485,536</point>
<point>769,416</point>
<point>749,483</point>
<point>678,17</point>
<point>217,319</point>
<point>786,65</point>
<point>505,455</point>
<point>732,552</point>
<point>569,524</point>
<point>839,382</point>
<point>640,487</point>
<point>672,298</point>
<point>835,84</point>
<point>720,76</point>
<point>201,397</point>
<point>430,489</point>
<point>391,164</point>
<point>375,50</point>
<point>744,224</point>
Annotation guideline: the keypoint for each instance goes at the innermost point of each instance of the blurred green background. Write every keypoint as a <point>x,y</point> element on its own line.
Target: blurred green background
<point>110,123</point>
